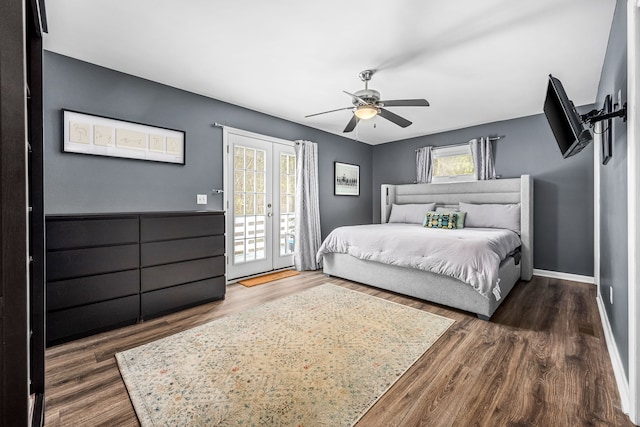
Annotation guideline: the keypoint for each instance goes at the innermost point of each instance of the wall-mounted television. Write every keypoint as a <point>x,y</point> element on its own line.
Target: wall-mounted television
<point>564,120</point>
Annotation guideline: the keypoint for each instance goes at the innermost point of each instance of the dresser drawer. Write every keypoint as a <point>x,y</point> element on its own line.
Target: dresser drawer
<point>90,289</point>
<point>180,250</point>
<point>163,301</point>
<point>87,232</point>
<point>154,228</point>
<point>75,322</point>
<point>100,268</point>
<point>163,276</point>
<point>74,263</point>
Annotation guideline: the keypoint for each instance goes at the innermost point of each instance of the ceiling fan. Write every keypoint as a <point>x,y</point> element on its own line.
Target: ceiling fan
<point>367,104</point>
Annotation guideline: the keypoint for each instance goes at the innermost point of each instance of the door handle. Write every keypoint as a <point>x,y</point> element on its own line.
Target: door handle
<point>269,214</point>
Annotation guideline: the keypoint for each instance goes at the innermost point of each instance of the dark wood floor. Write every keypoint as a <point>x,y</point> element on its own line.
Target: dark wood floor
<point>540,361</point>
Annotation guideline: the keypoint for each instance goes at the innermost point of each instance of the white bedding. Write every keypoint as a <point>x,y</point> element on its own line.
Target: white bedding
<point>471,255</point>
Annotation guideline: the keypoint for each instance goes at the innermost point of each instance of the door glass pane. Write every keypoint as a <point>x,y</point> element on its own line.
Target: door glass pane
<point>250,155</point>
<point>260,177</point>
<point>250,182</point>
<point>291,223</point>
<point>287,203</point>
<point>238,250</point>
<point>260,204</point>
<point>260,248</point>
<point>291,184</point>
<point>239,180</point>
<point>238,204</point>
<point>260,226</point>
<point>249,204</point>
<point>283,203</point>
<point>250,250</point>
<point>239,228</point>
<point>251,226</point>
<point>260,160</point>
<point>292,165</point>
<point>239,158</point>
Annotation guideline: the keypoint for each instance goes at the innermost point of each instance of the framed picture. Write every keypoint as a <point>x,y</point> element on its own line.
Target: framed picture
<point>346,179</point>
<point>607,133</point>
<point>105,136</point>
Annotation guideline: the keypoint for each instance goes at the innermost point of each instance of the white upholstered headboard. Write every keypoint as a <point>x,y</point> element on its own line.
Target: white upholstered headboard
<point>513,190</point>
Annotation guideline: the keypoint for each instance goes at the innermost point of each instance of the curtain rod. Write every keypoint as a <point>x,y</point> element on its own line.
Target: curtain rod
<point>244,131</point>
<point>220,125</point>
<point>491,138</point>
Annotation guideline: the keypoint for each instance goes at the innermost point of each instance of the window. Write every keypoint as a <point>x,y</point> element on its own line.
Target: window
<point>453,164</point>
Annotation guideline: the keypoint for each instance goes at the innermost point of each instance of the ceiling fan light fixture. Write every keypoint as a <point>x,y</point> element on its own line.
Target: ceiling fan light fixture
<point>365,112</point>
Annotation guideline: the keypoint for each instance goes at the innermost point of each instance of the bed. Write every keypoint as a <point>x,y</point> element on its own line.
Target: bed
<point>428,285</point>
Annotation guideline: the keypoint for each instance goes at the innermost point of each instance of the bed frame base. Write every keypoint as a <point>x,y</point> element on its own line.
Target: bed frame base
<point>423,284</point>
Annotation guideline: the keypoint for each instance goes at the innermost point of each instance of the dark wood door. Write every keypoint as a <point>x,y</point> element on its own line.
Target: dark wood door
<point>21,214</point>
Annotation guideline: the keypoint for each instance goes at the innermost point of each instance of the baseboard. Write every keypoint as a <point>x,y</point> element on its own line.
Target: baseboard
<point>614,355</point>
<point>564,276</point>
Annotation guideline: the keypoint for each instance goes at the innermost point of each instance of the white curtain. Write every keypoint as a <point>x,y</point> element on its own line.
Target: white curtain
<point>424,165</point>
<point>307,234</point>
<point>482,151</point>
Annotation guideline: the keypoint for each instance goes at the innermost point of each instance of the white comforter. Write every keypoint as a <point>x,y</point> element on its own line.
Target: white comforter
<point>472,255</point>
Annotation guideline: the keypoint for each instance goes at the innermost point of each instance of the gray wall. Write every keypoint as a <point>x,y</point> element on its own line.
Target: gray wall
<point>613,191</point>
<point>77,183</point>
<point>563,188</point>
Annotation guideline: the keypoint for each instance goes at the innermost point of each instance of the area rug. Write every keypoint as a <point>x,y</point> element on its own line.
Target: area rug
<point>254,281</point>
<point>321,357</point>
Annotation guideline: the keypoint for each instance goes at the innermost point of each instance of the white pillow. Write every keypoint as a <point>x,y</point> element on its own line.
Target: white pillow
<point>410,213</point>
<point>492,215</point>
<point>444,209</point>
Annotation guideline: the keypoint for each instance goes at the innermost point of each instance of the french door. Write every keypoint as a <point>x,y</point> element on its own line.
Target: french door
<point>260,201</point>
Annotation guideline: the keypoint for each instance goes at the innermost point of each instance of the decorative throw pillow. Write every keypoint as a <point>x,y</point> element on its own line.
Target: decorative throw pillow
<point>412,213</point>
<point>461,215</point>
<point>441,220</point>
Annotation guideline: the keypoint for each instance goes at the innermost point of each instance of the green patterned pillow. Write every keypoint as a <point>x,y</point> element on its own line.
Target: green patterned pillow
<point>461,215</point>
<point>440,220</point>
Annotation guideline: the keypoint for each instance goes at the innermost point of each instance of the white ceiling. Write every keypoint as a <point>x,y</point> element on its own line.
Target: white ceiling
<point>475,61</point>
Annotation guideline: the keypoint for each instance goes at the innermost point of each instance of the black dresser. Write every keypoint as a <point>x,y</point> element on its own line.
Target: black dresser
<point>107,271</point>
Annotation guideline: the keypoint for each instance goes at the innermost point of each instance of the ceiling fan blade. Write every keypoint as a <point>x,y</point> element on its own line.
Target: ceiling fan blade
<point>405,103</point>
<point>362,101</point>
<point>392,117</point>
<point>352,124</point>
<point>330,111</point>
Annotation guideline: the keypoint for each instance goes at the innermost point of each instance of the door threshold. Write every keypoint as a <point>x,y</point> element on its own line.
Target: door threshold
<point>237,279</point>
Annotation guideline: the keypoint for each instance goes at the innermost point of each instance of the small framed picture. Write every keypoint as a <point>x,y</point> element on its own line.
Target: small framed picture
<point>346,179</point>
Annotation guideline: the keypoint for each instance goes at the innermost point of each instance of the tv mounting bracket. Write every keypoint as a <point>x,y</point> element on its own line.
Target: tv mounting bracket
<point>594,116</point>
